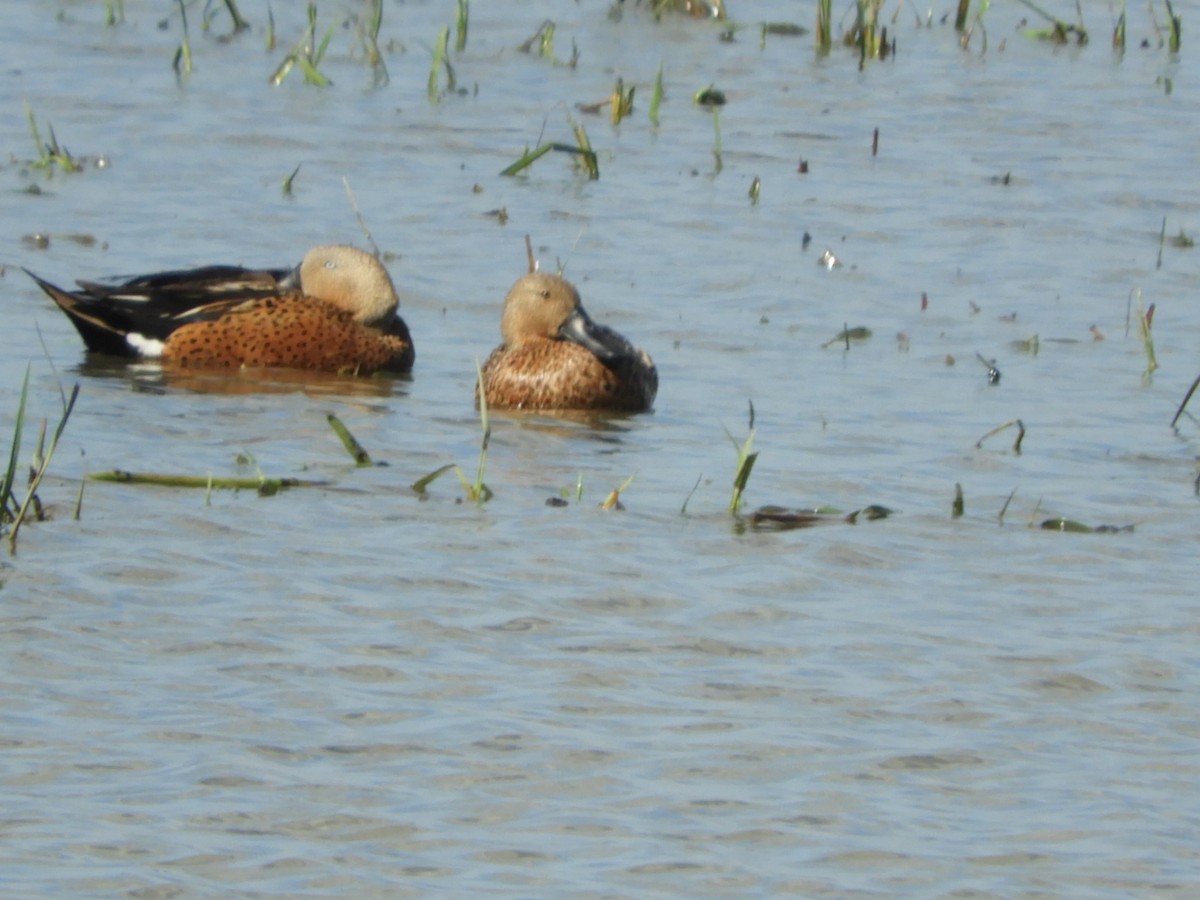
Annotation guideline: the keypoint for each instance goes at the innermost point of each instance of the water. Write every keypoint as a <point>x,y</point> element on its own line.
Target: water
<point>349,690</point>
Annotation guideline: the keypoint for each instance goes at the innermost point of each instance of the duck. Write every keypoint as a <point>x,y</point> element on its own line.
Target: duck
<point>554,357</point>
<point>334,312</point>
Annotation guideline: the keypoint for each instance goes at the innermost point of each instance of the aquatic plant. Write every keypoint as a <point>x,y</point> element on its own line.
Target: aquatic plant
<point>583,149</point>
<point>783,29</point>
<point>356,450</point>
<point>304,56</point>
<point>1020,426</point>
<point>960,16</point>
<point>1145,319</point>
<point>780,518</point>
<point>182,63</point>
<point>543,38</point>
<point>239,24</point>
<point>745,464</point>
<point>656,97</point>
<point>477,491</point>
<point>1186,397</point>
<point>621,102</point>
<point>717,139</point>
<point>49,153</point>
<point>613,500</point>
<point>440,60</point>
<point>824,25</point>
<point>460,25</point>
<point>263,486</point>
<point>1071,526</point>
<point>370,40</point>
<point>114,12</point>
<point>967,33</point>
<point>586,154</point>
<point>1060,31</point>
<point>866,35</point>
<point>848,334</point>
<point>13,513</point>
<point>1174,35</point>
<point>290,180</point>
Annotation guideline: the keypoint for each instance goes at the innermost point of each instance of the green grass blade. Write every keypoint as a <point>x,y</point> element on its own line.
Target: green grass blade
<point>10,473</point>
<point>360,456</point>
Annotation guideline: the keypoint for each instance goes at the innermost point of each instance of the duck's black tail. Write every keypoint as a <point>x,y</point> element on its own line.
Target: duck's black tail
<point>103,329</point>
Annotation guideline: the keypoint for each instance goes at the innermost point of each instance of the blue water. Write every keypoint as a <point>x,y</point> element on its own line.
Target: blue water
<point>351,690</point>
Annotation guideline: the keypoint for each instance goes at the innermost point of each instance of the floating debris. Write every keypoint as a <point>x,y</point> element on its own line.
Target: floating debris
<point>1072,527</point>
<point>846,335</point>
<point>993,374</point>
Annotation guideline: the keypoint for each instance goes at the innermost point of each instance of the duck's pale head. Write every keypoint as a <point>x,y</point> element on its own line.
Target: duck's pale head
<point>350,279</point>
<point>547,307</point>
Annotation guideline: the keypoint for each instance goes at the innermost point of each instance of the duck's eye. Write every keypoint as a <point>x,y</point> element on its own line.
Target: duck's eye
<point>545,294</point>
<point>330,264</point>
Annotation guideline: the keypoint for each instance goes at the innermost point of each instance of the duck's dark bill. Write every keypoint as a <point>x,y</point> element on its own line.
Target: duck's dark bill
<point>605,343</point>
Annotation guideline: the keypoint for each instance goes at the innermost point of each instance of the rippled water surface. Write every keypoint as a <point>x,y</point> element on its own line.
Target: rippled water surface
<point>349,690</point>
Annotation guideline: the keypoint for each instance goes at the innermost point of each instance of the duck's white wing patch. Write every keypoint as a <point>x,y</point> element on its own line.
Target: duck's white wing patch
<point>143,345</point>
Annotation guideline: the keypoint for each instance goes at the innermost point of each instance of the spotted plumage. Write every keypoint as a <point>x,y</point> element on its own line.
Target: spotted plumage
<point>335,312</point>
<point>555,358</point>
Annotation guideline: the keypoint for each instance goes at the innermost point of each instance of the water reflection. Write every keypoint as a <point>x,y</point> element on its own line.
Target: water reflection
<point>157,379</point>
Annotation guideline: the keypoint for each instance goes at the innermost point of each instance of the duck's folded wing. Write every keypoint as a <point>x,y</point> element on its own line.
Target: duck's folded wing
<point>157,304</point>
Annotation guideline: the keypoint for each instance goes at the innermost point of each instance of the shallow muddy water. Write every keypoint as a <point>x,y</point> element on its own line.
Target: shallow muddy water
<point>353,691</point>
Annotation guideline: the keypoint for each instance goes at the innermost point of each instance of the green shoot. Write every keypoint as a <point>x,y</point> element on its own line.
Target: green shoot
<point>304,57</point>
<point>717,138</point>
<point>239,24</point>
<point>656,98</point>
<point>421,484</point>
<point>49,153</point>
<point>1145,319</point>
<point>370,38</point>
<point>40,468</point>
<point>266,487</point>
<point>290,181</point>
<point>182,64</point>
<point>960,17</point>
<point>1173,40</point>
<point>529,157</point>
<point>586,152</point>
<point>356,450</point>
<point>824,25</point>
<point>477,492</point>
<point>10,474</point>
<point>622,101</point>
<point>460,26</point>
<point>745,463</point>
<point>613,500</point>
<point>440,60</point>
